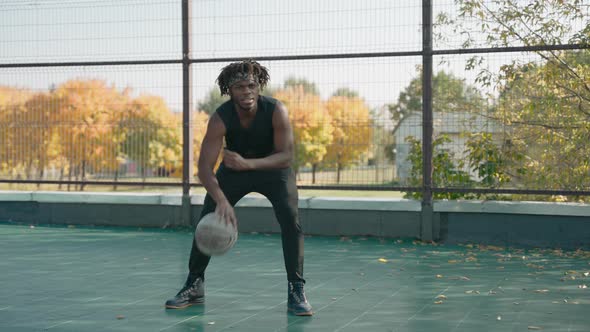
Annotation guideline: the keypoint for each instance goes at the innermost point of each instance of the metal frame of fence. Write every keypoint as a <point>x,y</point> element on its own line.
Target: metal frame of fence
<point>427,189</point>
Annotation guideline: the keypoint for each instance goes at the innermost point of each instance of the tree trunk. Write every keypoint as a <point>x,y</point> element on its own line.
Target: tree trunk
<point>313,169</point>
<point>83,175</point>
<point>70,174</point>
<point>338,168</point>
<point>41,172</point>
<point>116,179</point>
<point>28,169</point>
<point>143,175</point>
<point>61,177</point>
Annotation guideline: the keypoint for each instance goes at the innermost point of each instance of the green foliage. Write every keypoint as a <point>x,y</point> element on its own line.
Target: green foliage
<point>297,82</point>
<point>449,94</point>
<point>345,92</point>
<point>483,157</point>
<point>543,103</point>
<point>212,101</point>
<point>445,173</point>
<point>487,160</point>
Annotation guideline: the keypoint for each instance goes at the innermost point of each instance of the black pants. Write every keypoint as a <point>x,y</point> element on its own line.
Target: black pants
<point>280,189</point>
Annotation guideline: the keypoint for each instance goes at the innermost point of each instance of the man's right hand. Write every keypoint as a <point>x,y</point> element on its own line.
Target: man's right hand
<point>226,212</point>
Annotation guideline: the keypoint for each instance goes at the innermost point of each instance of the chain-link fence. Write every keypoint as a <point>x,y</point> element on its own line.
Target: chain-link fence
<point>443,99</point>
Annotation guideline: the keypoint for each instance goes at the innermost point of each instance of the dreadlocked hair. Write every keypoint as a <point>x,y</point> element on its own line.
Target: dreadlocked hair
<point>250,67</point>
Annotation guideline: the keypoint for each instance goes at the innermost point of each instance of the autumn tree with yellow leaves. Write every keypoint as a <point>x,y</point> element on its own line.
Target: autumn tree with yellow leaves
<point>86,120</point>
<point>312,126</point>
<point>12,105</point>
<point>152,135</point>
<point>352,135</point>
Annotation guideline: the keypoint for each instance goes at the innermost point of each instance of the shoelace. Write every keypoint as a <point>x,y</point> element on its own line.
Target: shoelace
<point>186,289</point>
<point>298,293</point>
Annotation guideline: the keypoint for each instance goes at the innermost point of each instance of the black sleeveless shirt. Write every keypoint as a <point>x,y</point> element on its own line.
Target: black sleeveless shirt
<point>256,141</point>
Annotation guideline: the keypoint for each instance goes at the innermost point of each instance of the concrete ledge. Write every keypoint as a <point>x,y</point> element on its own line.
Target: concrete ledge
<point>363,204</point>
<point>90,198</point>
<point>531,208</point>
<point>16,196</point>
<point>529,223</point>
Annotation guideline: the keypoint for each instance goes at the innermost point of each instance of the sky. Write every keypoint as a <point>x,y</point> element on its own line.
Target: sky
<point>110,30</point>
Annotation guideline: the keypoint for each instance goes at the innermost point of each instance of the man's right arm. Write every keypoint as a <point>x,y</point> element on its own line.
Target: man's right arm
<point>210,148</point>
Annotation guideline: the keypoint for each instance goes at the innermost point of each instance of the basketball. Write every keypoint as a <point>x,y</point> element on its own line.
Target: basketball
<point>213,236</point>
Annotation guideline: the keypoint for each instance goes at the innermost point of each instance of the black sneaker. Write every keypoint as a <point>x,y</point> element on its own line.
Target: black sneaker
<point>297,303</point>
<point>193,292</point>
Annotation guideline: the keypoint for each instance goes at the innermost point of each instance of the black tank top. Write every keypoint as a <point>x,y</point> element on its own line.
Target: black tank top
<point>256,141</point>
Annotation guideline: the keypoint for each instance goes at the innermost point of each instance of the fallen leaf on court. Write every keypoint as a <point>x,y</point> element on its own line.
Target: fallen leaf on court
<point>535,328</point>
<point>499,318</point>
<point>439,276</point>
<point>471,259</point>
<point>586,274</point>
<point>441,297</point>
<point>382,260</point>
<point>211,323</point>
<point>438,302</point>
<point>334,299</point>
<point>453,261</point>
<point>542,291</point>
<point>582,286</point>
<point>120,317</point>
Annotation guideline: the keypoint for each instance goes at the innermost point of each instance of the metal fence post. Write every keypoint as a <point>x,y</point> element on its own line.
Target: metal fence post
<point>187,133</point>
<point>427,214</point>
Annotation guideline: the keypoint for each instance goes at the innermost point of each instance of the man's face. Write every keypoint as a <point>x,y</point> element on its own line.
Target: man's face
<point>245,94</point>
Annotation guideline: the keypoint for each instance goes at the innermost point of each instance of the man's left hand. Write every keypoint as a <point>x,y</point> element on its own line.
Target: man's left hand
<point>234,161</point>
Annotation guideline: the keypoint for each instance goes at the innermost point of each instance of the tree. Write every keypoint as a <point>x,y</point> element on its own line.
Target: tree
<point>543,100</point>
<point>212,101</point>
<point>548,112</point>
<point>85,114</point>
<point>449,94</point>
<point>455,103</point>
<point>200,121</point>
<point>37,134</point>
<point>345,92</point>
<point>153,135</point>
<point>12,105</point>
<point>312,126</point>
<point>301,83</point>
<point>352,135</point>
<point>446,168</point>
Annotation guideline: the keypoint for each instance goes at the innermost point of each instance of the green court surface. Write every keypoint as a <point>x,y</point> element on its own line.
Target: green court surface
<point>117,279</point>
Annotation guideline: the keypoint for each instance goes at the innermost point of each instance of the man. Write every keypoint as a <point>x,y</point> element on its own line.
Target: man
<point>257,158</point>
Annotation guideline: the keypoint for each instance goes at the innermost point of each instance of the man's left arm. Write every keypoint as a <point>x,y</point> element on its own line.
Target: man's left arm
<point>283,142</point>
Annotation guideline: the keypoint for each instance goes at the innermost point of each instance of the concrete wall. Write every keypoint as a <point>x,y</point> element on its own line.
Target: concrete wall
<point>507,223</point>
